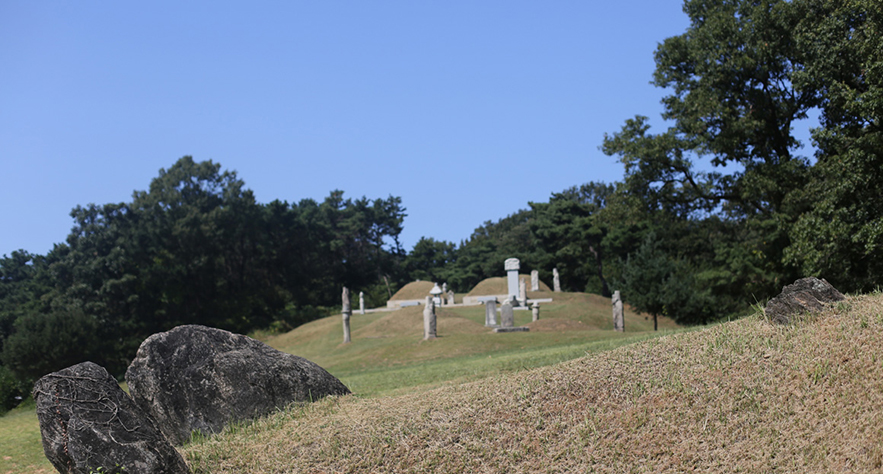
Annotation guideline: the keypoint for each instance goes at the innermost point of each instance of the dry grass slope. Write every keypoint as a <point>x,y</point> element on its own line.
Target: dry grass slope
<point>744,396</point>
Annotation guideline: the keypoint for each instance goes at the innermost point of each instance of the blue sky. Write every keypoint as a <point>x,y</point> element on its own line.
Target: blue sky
<point>466,110</point>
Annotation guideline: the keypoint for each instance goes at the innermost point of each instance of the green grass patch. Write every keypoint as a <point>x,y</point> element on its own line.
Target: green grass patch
<point>22,448</point>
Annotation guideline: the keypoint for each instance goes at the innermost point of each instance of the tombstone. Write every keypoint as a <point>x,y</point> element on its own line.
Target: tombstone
<point>429,331</point>
<point>450,297</point>
<point>512,265</point>
<point>535,311</point>
<point>507,315</point>
<point>490,313</point>
<point>556,282</point>
<point>522,292</point>
<point>361,302</point>
<point>618,321</point>
<point>89,424</point>
<point>347,312</point>
<point>445,288</point>
<point>534,280</point>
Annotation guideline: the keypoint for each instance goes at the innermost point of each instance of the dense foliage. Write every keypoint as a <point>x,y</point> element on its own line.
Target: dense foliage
<point>715,212</point>
<point>194,248</point>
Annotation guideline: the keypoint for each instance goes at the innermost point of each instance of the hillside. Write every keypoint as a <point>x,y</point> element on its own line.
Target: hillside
<point>387,350</point>
<point>741,396</point>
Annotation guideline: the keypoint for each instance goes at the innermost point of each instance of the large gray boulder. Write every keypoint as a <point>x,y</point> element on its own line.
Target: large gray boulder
<point>200,378</point>
<point>88,422</point>
<point>807,295</point>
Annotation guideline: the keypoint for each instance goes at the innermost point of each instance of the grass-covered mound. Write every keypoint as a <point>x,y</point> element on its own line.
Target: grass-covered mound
<point>745,396</point>
<point>388,356</point>
<point>388,342</point>
<point>416,290</point>
<point>500,286</point>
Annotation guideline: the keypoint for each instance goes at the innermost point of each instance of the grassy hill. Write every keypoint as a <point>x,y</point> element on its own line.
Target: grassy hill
<point>389,357</point>
<point>744,396</point>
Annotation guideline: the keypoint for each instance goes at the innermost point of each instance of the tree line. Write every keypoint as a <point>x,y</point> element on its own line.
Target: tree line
<point>715,212</point>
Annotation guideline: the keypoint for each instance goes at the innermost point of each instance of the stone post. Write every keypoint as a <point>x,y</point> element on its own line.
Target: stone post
<point>429,319</point>
<point>522,292</point>
<point>361,302</point>
<point>451,297</point>
<point>535,311</point>
<point>507,315</point>
<point>347,312</point>
<point>512,266</point>
<point>556,282</point>
<point>618,320</point>
<point>490,313</point>
<point>534,280</point>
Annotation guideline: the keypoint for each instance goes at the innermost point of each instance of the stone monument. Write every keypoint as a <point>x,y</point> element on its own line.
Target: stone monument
<point>618,320</point>
<point>347,312</point>
<point>535,311</point>
<point>507,315</point>
<point>512,266</point>
<point>361,302</point>
<point>522,292</point>
<point>450,297</point>
<point>429,331</point>
<point>556,282</point>
<point>534,280</point>
<point>490,313</point>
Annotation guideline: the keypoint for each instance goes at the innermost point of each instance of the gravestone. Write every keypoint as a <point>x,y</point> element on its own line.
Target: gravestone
<point>534,280</point>
<point>556,281</point>
<point>200,378</point>
<point>361,302</point>
<point>618,319</point>
<point>512,265</point>
<point>490,313</point>
<point>429,320</point>
<point>347,312</point>
<point>451,297</point>
<point>89,424</point>
<point>535,311</point>
<point>807,295</point>
<point>507,315</point>
<point>522,293</point>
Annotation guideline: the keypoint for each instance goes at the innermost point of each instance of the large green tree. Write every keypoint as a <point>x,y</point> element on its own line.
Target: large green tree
<point>841,237</point>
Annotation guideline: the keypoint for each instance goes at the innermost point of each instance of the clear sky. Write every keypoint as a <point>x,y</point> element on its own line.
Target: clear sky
<point>467,110</point>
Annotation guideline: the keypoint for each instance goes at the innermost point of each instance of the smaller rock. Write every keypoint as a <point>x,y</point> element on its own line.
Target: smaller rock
<point>807,295</point>
<point>89,423</point>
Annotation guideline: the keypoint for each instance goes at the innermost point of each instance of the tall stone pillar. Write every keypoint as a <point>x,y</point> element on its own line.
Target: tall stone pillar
<point>534,280</point>
<point>535,311</point>
<point>490,313</point>
<point>347,312</point>
<point>522,292</point>
<point>361,302</point>
<point>429,323</point>
<point>618,319</point>
<point>556,282</point>
<point>512,266</point>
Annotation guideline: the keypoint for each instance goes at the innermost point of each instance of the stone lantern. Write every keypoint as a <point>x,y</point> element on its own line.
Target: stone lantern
<point>436,294</point>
